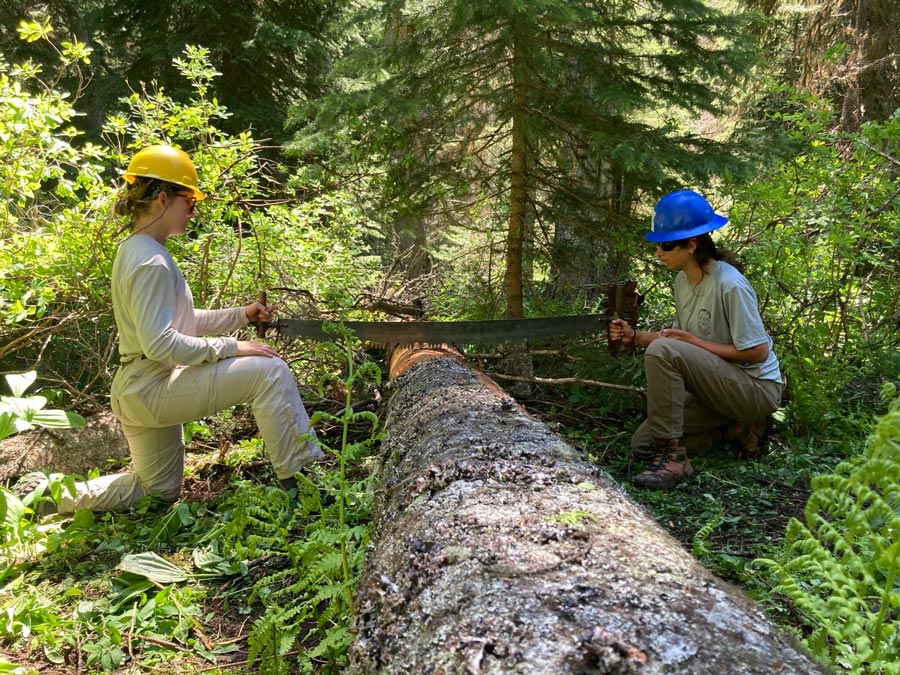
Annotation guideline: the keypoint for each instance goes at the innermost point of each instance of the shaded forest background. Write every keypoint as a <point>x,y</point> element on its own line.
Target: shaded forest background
<point>479,161</point>
<point>364,158</point>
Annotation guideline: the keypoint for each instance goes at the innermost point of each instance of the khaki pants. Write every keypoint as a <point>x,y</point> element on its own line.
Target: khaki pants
<point>152,402</point>
<point>690,391</point>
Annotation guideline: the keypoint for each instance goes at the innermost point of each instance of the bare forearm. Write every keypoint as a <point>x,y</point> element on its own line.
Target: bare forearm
<point>726,352</point>
<point>730,353</point>
<point>645,337</point>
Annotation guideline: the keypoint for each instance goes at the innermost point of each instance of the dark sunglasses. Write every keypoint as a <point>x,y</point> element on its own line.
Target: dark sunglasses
<point>669,246</point>
<point>189,198</point>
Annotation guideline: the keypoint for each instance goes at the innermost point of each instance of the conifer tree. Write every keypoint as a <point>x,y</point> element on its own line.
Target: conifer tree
<point>270,54</point>
<point>556,114</point>
<point>845,50</point>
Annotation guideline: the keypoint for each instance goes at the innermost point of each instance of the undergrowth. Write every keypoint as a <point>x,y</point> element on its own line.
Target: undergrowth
<point>254,580</point>
<point>810,529</point>
<point>275,572</point>
<point>840,564</point>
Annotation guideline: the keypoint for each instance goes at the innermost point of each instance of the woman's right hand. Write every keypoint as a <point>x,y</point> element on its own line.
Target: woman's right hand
<point>254,348</point>
<point>621,331</point>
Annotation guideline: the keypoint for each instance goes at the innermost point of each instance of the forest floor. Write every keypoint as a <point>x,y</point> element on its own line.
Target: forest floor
<point>742,506</point>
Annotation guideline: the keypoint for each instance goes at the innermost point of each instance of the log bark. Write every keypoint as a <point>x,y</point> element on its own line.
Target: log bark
<point>499,549</point>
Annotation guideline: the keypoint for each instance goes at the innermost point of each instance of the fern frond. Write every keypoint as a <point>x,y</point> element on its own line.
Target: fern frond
<point>841,565</point>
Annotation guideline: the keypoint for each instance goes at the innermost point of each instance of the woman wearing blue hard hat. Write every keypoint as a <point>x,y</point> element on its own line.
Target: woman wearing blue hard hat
<point>714,368</point>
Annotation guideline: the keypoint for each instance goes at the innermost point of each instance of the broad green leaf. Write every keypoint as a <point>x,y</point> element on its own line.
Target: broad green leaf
<point>58,419</point>
<point>24,407</point>
<point>209,562</point>
<point>19,382</point>
<point>129,586</point>
<point>12,510</point>
<point>7,425</point>
<point>152,566</point>
<point>54,655</point>
<point>83,519</point>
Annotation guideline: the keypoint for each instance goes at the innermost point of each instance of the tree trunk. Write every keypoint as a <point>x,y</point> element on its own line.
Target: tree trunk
<point>498,549</point>
<point>515,238</point>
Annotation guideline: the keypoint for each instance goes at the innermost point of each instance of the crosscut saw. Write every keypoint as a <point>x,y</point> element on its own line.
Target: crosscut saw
<point>391,333</point>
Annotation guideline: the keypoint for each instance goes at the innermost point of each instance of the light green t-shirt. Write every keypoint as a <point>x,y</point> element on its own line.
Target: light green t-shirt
<point>723,308</point>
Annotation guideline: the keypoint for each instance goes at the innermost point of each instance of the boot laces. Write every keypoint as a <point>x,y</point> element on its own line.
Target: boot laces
<point>662,459</point>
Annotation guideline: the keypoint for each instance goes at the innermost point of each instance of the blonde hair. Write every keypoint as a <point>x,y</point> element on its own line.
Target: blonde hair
<point>136,197</point>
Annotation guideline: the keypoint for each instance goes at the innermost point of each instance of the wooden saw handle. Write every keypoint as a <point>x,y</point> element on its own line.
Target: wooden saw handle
<point>622,300</point>
<point>262,298</point>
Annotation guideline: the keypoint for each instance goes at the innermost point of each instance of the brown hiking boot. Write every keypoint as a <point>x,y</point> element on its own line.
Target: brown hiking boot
<point>749,440</point>
<point>698,444</point>
<point>669,468</point>
<point>644,453</point>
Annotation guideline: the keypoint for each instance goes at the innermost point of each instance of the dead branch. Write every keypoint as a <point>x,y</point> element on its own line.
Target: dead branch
<point>568,380</point>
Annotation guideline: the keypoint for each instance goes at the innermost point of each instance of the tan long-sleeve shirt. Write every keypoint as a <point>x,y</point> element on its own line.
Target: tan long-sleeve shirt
<point>155,313</point>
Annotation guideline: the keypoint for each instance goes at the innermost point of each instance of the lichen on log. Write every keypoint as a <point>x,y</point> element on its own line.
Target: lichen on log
<point>499,549</point>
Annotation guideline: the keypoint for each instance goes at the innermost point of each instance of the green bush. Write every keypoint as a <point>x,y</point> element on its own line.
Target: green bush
<point>820,231</point>
<point>58,236</point>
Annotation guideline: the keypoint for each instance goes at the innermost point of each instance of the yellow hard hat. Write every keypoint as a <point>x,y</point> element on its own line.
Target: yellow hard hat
<point>165,163</point>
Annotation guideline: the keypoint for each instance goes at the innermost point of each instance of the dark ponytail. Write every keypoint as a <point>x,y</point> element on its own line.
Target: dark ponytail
<point>707,250</point>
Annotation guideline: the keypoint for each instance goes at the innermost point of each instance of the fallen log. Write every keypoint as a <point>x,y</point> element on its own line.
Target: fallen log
<point>498,549</point>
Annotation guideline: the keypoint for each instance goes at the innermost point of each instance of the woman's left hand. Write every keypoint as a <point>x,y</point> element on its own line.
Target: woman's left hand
<point>254,348</point>
<point>677,334</point>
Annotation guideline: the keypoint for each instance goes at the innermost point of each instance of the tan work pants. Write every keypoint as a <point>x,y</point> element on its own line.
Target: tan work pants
<point>152,402</point>
<point>690,391</point>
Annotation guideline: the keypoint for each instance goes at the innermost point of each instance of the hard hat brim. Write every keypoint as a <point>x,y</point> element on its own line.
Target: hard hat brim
<point>166,163</point>
<point>714,224</point>
<point>199,196</point>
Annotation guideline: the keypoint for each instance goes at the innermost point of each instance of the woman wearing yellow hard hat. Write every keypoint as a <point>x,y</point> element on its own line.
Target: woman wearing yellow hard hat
<point>166,164</point>
<point>172,370</point>
<point>714,371</point>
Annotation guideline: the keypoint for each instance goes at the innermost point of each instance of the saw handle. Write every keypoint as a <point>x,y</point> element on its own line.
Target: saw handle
<point>261,298</point>
<point>622,300</point>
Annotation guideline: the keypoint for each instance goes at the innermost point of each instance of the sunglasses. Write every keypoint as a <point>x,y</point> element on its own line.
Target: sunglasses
<point>189,198</point>
<point>669,246</point>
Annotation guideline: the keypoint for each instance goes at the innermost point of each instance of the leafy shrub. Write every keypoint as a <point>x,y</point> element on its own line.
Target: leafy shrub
<point>821,228</point>
<point>58,237</point>
<point>20,413</point>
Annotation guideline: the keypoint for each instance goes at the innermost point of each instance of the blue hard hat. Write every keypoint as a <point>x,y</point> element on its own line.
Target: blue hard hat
<point>682,214</point>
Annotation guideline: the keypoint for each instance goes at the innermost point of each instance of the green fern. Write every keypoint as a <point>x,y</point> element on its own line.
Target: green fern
<point>271,639</point>
<point>840,567</point>
<point>699,545</point>
<point>315,547</point>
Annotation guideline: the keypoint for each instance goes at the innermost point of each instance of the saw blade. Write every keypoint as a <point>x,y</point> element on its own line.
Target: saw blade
<point>448,332</point>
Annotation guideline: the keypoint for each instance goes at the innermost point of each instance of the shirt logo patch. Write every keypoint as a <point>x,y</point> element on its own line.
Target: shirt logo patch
<point>704,323</point>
